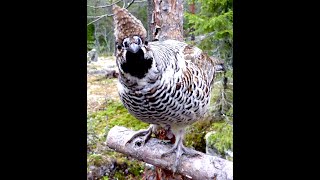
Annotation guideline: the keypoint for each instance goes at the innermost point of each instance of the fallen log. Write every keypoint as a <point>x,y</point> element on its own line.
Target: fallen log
<point>198,167</point>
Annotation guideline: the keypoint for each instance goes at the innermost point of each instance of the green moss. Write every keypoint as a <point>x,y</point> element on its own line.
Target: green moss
<point>136,168</point>
<point>99,123</point>
<point>97,159</point>
<point>229,74</point>
<point>222,140</point>
<point>195,135</point>
<point>117,114</point>
<point>127,168</point>
<point>119,175</point>
<point>215,93</point>
<point>114,114</point>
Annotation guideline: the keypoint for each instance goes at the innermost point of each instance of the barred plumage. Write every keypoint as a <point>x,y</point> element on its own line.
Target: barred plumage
<point>175,90</point>
<point>164,83</point>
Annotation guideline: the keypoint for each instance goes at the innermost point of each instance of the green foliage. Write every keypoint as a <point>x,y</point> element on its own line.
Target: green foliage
<point>195,135</point>
<point>215,21</point>
<point>221,106</point>
<point>90,37</point>
<point>222,139</point>
<point>139,10</point>
<point>222,114</point>
<point>229,74</point>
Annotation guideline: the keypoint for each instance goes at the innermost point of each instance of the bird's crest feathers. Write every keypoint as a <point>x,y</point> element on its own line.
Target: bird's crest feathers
<point>126,25</point>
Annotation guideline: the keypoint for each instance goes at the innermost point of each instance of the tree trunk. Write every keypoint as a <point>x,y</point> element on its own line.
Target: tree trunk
<point>168,19</point>
<point>151,24</point>
<point>96,36</point>
<point>96,27</point>
<point>192,9</point>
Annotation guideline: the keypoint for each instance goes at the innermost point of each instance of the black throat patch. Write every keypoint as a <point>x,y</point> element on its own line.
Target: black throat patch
<point>136,65</point>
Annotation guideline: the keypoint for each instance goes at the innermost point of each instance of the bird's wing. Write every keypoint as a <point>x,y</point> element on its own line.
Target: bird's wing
<point>201,60</point>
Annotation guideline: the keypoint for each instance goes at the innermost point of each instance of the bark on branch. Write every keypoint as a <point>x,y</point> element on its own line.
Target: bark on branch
<point>199,167</point>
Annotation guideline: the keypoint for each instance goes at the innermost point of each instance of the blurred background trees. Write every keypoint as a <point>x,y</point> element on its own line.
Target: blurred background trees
<point>210,22</point>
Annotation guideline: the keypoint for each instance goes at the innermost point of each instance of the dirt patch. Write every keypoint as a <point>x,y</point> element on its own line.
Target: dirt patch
<point>99,87</point>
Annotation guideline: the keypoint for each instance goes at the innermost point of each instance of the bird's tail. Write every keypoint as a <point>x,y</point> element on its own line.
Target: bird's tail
<point>218,64</point>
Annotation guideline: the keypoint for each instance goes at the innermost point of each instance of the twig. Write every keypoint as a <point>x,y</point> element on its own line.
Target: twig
<point>130,4</point>
<point>106,15</point>
<point>97,16</point>
<point>108,5</point>
<point>228,120</point>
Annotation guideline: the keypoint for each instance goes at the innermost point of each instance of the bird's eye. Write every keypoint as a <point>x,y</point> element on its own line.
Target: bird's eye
<point>125,44</point>
<point>137,40</point>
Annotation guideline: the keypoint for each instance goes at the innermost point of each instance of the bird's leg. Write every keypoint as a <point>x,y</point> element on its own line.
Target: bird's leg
<point>179,149</point>
<point>143,132</point>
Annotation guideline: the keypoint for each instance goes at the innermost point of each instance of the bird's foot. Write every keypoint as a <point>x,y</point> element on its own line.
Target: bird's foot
<point>179,149</point>
<point>146,133</point>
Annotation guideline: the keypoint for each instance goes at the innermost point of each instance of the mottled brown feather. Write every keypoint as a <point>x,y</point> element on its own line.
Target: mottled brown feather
<point>201,60</point>
<point>126,25</point>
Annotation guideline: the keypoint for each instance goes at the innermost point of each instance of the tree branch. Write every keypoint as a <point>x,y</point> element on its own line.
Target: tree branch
<point>108,5</point>
<point>199,167</point>
<point>100,17</point>
<point>130,4</point>
<point>105,15</point>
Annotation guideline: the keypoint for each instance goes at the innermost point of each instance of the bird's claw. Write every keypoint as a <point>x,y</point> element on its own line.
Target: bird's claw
<point>180,150</point>
<point>146,133</point>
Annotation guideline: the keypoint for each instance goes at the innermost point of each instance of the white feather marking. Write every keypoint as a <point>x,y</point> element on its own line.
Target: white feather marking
<point>121,89</point>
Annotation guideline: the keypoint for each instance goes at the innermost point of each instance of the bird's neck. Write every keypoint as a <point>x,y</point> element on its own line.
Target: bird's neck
<point>136,65</point>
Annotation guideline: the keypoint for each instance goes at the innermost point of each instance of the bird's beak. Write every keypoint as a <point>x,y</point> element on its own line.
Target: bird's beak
<point>133,48</point>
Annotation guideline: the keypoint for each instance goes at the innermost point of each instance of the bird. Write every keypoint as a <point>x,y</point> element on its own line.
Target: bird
<point>164,83</point>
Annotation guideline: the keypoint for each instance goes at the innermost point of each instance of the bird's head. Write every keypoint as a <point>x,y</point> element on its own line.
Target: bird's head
<point>133,57</point>
<point>127,28</point>
<point>132,44</point>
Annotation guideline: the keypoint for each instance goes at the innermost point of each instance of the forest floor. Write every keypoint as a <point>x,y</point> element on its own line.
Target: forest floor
<point>99,88</point>
<point>105,110</point>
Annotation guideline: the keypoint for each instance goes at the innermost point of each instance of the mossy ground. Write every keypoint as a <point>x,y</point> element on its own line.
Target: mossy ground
<point>103,112</point>
<point>99,123</point>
